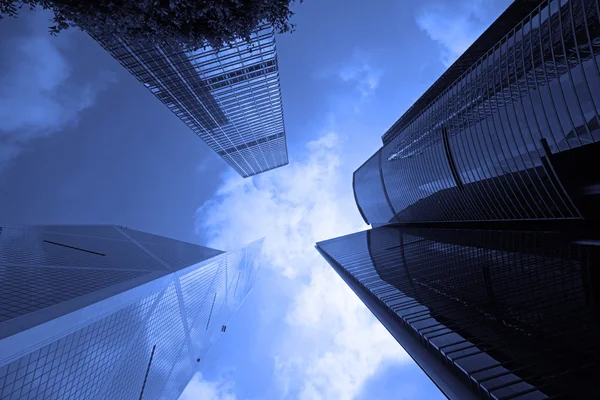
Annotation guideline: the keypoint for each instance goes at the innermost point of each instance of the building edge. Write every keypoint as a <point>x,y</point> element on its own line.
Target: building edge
<point>448,383</point>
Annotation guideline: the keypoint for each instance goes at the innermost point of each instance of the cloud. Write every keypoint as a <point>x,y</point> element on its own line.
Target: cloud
<point>329,344</point>
<point>455,24</point>
<point>292,207</point>
<point>37,93</point>
<point>199,389</point>
<point>362,74</point>
<point>357,71</point>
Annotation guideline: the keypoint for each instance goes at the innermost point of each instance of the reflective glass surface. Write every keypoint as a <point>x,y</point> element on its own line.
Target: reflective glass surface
<point>230,97</point>
<point>144,338</point>
<point>367,183</point>
<point>483,149</point>
<point>514,315</point>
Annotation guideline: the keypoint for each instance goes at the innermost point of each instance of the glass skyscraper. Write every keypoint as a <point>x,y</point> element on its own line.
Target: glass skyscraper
<point>495,138</point>
<point>230,97</point>
<point>486,313</point>
<point>106,312</point>
<point>483,261</point>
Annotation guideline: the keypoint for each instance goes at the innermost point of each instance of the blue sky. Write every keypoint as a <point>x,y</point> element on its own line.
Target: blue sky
<point>81,141</point>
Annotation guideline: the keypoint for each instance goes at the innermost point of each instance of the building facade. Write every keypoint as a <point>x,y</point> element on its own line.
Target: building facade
<point>484,253</point>
<point>230,97</point>
<point>487,314</point>
<point>496,137</point>
<point>106,312</point>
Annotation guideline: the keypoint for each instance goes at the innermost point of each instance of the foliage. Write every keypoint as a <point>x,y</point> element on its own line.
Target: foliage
<point>191,23</point>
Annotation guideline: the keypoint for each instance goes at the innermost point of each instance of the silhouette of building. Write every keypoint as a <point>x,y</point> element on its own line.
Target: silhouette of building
<point>109,312</point>
<point>484,254</point>
<point>231,97</point>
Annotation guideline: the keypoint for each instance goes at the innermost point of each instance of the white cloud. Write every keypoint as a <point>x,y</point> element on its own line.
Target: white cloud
<point>199,389</point>
<point>357,71</point>
<point>330,343</point>
<point>292,207</point>
<point>350,345</point>
<point>37,94</point>
<point>361,73</point>
<point>455,24</point>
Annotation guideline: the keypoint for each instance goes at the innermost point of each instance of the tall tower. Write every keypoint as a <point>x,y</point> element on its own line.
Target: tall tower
<point>230,97</point>
<point>483,261</point>
<point>507,133</point>
<point>108,312</point>
<point>486,313</point>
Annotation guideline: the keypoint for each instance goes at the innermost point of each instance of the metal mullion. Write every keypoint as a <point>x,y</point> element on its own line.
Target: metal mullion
<point>443,104</point>
<point>433,112</point>
<point>485,99</point>
<point>205,71</point>
<point>499,133</point>
<point>232,60</point>
<point>392,179</point>
<point>150,72</point>
<point>566,56</point>
<point>513,131</point>
<point>411,179</point>
<point>168,61</point>
<point>490,97</point>
<point>270,102</point>
<point>462,87</point>
<point>215,52</point>
<point>559,193</point>
<point>559,85</point>
<point>533,141</point>
<point>471,155</point>
<point>427,162</point>
<point>542,67</point>
<point>235,126</point>
<point>536,264</point>
<point>583,73</point>
<point>242,95</point>
<point>407,180</point>
<point>390,268</point>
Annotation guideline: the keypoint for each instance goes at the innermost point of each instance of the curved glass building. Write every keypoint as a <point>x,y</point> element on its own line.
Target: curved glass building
<point>496,136</point>
<point>487,314</point>
<point>484,257</point>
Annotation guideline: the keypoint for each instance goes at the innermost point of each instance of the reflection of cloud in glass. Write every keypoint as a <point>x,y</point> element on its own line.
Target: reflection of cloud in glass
<point>147,321</point>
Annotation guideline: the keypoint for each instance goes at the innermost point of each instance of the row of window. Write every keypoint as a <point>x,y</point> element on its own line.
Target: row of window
<point>480,151</point>
<point>512,312</point>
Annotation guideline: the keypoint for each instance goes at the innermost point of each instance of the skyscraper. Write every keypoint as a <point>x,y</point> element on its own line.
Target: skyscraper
<point>496,136</point>
<point>486,313</point>
<point>230,97</point>
<point>484,254</point>
<point>108,312</point>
